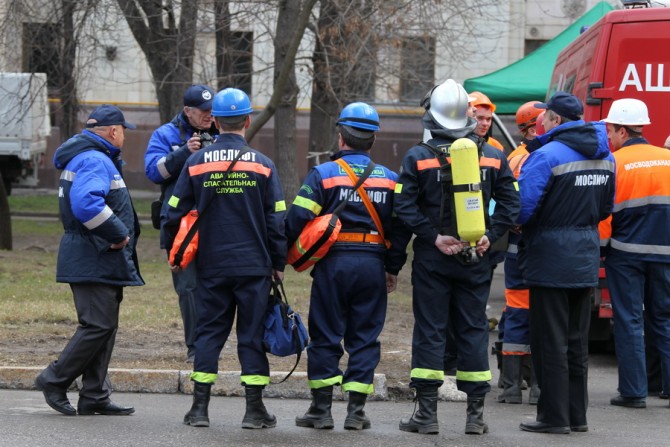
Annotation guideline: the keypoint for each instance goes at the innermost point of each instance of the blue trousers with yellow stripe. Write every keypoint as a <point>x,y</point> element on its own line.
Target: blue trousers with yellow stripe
<point>441,287</point>
<point>348,303</point>
<point>218,299</point>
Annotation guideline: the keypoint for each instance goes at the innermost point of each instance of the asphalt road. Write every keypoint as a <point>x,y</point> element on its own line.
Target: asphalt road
<point>25,420</point>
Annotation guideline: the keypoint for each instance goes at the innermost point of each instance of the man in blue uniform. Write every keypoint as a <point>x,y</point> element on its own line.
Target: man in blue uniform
<point>350,284</point>
<point>567,187</point>
<point>242,246</point>
<point>446,288</point>
<point>169,147</point>
<point>96,257</point>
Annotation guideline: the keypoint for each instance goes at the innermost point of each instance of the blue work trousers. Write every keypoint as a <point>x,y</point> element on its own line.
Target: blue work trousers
<point>447,292</point>
<point>636,287</point>
<point>218,301</point>
<point>347,304</point>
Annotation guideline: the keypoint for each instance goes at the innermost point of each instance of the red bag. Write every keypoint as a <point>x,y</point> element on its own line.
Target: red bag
<point>179,256</point>
<point>314,241</point>
<point>321,232</point>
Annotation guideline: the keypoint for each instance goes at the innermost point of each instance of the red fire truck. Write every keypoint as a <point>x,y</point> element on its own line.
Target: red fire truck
<point>626,54</point>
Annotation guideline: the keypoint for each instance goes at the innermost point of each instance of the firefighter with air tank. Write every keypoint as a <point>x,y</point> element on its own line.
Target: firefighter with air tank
<point>442,195</point>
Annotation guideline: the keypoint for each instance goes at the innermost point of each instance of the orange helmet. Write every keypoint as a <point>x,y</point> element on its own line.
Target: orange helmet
<point>527,115</point>
<point>481,99</point>
<point>539,126</point>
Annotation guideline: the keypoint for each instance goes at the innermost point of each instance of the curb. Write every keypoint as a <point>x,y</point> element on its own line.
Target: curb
<point>228,383</point>
<point>178,381</point>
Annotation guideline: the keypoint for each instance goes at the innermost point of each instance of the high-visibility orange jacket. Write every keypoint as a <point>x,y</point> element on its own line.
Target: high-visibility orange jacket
<point>639,222</point>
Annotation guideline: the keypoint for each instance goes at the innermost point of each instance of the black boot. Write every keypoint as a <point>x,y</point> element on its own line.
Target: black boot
<point>497,350</point>
<point>474,424</point>
<point>425,419</point>
<point>256,416</point>
<point>318,415</point>
<point>511,378</point>
<point>534,393</point>
<point>197,415</point>
<point>356,418</point>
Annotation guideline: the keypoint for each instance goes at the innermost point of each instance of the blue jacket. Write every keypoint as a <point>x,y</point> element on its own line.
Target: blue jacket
<point>242,231</point>
<point>166,154</point>
<point>567,188</point>
<point>324,189</point>
<point>96,211</point>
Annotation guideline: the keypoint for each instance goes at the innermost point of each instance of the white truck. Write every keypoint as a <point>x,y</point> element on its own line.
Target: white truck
<point>25,126</point>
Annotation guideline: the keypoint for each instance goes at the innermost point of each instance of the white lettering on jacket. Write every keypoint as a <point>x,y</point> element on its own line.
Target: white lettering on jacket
<point>591,179</point>
<point>227,155</point>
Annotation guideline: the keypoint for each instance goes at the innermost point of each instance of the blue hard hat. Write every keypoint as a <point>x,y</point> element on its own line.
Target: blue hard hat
<point>231,102</point>
<point>361,116</point>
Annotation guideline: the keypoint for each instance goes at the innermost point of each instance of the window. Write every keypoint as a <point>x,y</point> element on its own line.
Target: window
<point>242,45</point>
<point>417,67</point>
<point>42,52</point>
<point>532,45</point>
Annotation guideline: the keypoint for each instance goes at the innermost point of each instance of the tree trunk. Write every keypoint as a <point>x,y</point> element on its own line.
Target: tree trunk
<point>285,117</point>
<point>68,91</point>
<point>224,59</point>
<point>168,48</point>
<point>323,113</point>
<point>5,218</point>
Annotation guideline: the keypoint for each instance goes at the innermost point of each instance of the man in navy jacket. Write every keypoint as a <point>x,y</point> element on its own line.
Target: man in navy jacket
<point>567,188</point>
<point>97,257</point>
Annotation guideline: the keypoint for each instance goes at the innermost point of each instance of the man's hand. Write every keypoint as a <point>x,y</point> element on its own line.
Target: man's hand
<point>482,245</point>
<point>174,268</point>
<point>391,282</point>
<point>120,245</point>
<point>449,245</point>
<point>194,143</point>
<point>277,274</point>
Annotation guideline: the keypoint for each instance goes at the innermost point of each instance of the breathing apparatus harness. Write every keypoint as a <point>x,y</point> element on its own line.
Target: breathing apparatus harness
<point>469,255</point>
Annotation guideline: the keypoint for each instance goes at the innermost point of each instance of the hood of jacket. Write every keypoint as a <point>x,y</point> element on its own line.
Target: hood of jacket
<point>83,142</point>
<point>589,139</point>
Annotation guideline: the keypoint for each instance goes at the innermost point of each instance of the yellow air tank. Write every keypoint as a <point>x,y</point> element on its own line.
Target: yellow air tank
<point>468,199</point>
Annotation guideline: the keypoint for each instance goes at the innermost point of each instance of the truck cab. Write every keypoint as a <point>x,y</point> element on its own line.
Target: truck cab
<point>626,54</point>
<point>24,127</point>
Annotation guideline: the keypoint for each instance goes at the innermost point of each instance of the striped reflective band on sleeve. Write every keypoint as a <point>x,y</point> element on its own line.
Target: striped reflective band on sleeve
<point>162,170</point>
<point>101,218</point>
<point>117,184</point>
<point>67,175</point>
<point>309,205</point>
<point>280,206</point>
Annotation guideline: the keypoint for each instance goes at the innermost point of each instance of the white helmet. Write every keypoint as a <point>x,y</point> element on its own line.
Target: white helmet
<point>448,105</point>
<point>628,112</point>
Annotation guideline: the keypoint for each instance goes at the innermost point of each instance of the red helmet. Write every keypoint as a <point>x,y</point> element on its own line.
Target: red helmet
<point>481,99</point>
<point>539,126</point>
<point>527,114</point>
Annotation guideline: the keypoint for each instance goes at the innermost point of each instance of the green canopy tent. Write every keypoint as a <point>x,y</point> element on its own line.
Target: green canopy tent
<point>528,79</point>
